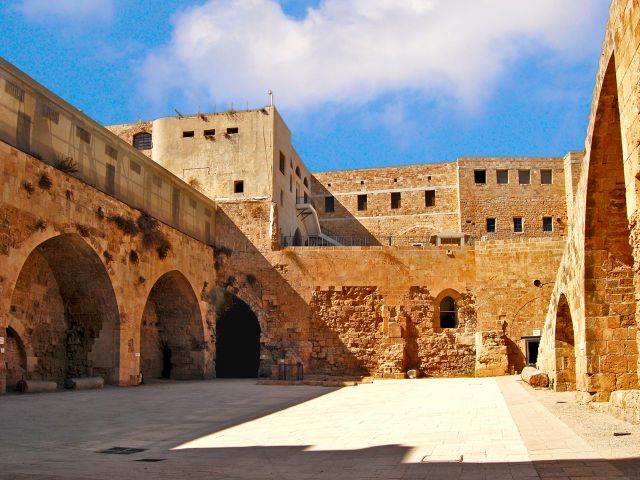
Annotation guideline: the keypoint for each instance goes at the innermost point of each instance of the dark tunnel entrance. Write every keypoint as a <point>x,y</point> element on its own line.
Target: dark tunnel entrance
<point>237,341</point>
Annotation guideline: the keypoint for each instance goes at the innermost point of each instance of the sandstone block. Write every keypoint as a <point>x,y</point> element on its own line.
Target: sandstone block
<point>535,377</point>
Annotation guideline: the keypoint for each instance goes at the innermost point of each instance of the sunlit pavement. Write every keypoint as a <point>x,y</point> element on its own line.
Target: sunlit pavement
<point>432,428</point>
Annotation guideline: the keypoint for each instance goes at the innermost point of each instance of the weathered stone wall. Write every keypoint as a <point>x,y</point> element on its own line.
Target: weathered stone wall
<point>503,202</point>
<point>128,130</point>
<point>63,243</point>
<point>595,275</point>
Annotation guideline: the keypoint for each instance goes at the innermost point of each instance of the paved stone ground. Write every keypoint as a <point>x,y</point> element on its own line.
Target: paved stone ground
<point>234,429</point>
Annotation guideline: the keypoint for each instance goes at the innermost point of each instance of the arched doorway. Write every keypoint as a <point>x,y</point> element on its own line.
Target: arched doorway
<point>171,332</point>
<point>237,340</point>
<point>65,300</point>
<point>15,357</point>
<point>564,349</point>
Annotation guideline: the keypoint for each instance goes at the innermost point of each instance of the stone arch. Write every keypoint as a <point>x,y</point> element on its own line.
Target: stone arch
<point>451,298</point>
<point>564,348</point>
<point>172,339</point>
<point>609,301</point>
<point>237,338</point>
<point>15,357</point>
<point>64,299</point>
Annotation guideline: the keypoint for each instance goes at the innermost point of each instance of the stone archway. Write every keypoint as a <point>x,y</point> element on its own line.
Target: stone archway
<point>64,298</point>
<point>237,340</point>
<point>565,377</point>
<point>15,358</point>
<point>172,341</point>
<point>609,302</point>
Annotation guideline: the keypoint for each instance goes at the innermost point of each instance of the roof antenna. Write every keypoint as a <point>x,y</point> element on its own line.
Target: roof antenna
<point>270,98</point>
<point>179,114</point>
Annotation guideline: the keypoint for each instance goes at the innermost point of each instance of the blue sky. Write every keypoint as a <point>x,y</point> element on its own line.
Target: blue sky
<point>360,82</point>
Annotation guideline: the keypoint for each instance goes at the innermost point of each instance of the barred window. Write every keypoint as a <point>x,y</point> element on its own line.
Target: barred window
<point>50,113</point>
<point>142,141</point>
<point>83,135</point>
<point>14,90</point>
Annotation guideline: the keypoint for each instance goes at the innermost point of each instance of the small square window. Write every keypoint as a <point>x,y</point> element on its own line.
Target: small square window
<point>84,135</point>
<point>480,176</point>
<point>362,202</point>
<point>518,225</point>
<point>112,152</point>
<point>502,177</point>
<point>491,225</point>
<point>210,133</point>
<point>524,177</point>
<point>395,200</point>
<point>188,134</point>
<point>238,186</point>
<point>546,177</point>
<point>232,130</point>
<point>430,198</point>
<point>547,224</point>
<point>329,204</point>
<point>135,167</point>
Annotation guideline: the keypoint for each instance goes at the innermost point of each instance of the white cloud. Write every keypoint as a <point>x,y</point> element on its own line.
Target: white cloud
<point>95,11</point>
<point>352,51</point>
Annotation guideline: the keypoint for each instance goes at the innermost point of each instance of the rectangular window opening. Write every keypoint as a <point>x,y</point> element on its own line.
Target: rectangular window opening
<point>502,177</point>
<point>111,151</point>
<point>282,163</point>
<point>110,180</point>
<point>518,225</point>
<point>210,133</point>
<point>329,204</point>
<point>430,198</point>
<point>546,177</point>
<point>238,186</point>
<point>50,113</point>
<point>547,224</point>
<point>362,202</point>
<point>480,176</point>
<point>524,177</point>
<point>14,90</point>
<point>157,181</point>
<point>188,134</point>
<point>491,225</point>
<point>281,197</point>
<point>232,131</point>
<point>135,167</point>
<point>395,200</point>
<point>83,135</point>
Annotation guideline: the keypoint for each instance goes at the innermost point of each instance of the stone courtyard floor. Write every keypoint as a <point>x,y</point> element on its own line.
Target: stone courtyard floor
<point>234,429</point>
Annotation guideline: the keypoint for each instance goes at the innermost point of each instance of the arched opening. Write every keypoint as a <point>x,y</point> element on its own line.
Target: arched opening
<point>448,313</point>
<point>143,141</point>
<point>609,303</point>
<point>171,332</point>
<point>65,300</point>
<point>15,358</point>
<point>564,349</point>
<point>305,182</point>
<point>237,340</point>
<point>298,172</point>
<point>297,238</point>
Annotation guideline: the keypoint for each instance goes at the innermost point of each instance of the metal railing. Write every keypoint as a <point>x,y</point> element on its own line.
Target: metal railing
<point>305,199</point>
<point>366,241</point>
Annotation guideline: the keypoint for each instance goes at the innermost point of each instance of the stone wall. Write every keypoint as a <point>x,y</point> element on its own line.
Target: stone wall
<point>76,272</point>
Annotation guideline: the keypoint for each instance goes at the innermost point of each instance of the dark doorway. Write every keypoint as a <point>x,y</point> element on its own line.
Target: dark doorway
<point>237,341</point>
<point>532,344</point>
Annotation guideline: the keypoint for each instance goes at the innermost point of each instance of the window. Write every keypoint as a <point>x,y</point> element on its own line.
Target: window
<point>142,141</point>
<point>238,186</point>
<point>110,179</point>
<point>546,177</point>
<point>50,113</point>
<point>547,224</point>
<point>188,134</point>
<point>480,176</point>
<point>14,90</point>
<point>491,225</point>
<point>232,131</point>
<point>361,182</point>
<point>281,197</point>
<point>502,177</point>
<point>448,313</point>
<point>395,200</point>
<point>282,163</point>
<point>518,225</point>
<point>83,135</point>
<point>329,204</point>
<point>291,183</point>
<point>305,182</point>
<point>430,198</point>
<point>298,172</point>
<point>157,181</point>
<point>135,167</point>
<point>362,202</point>
<point>112,152</point>
<point>524,177</point>
<point>210,133</point>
